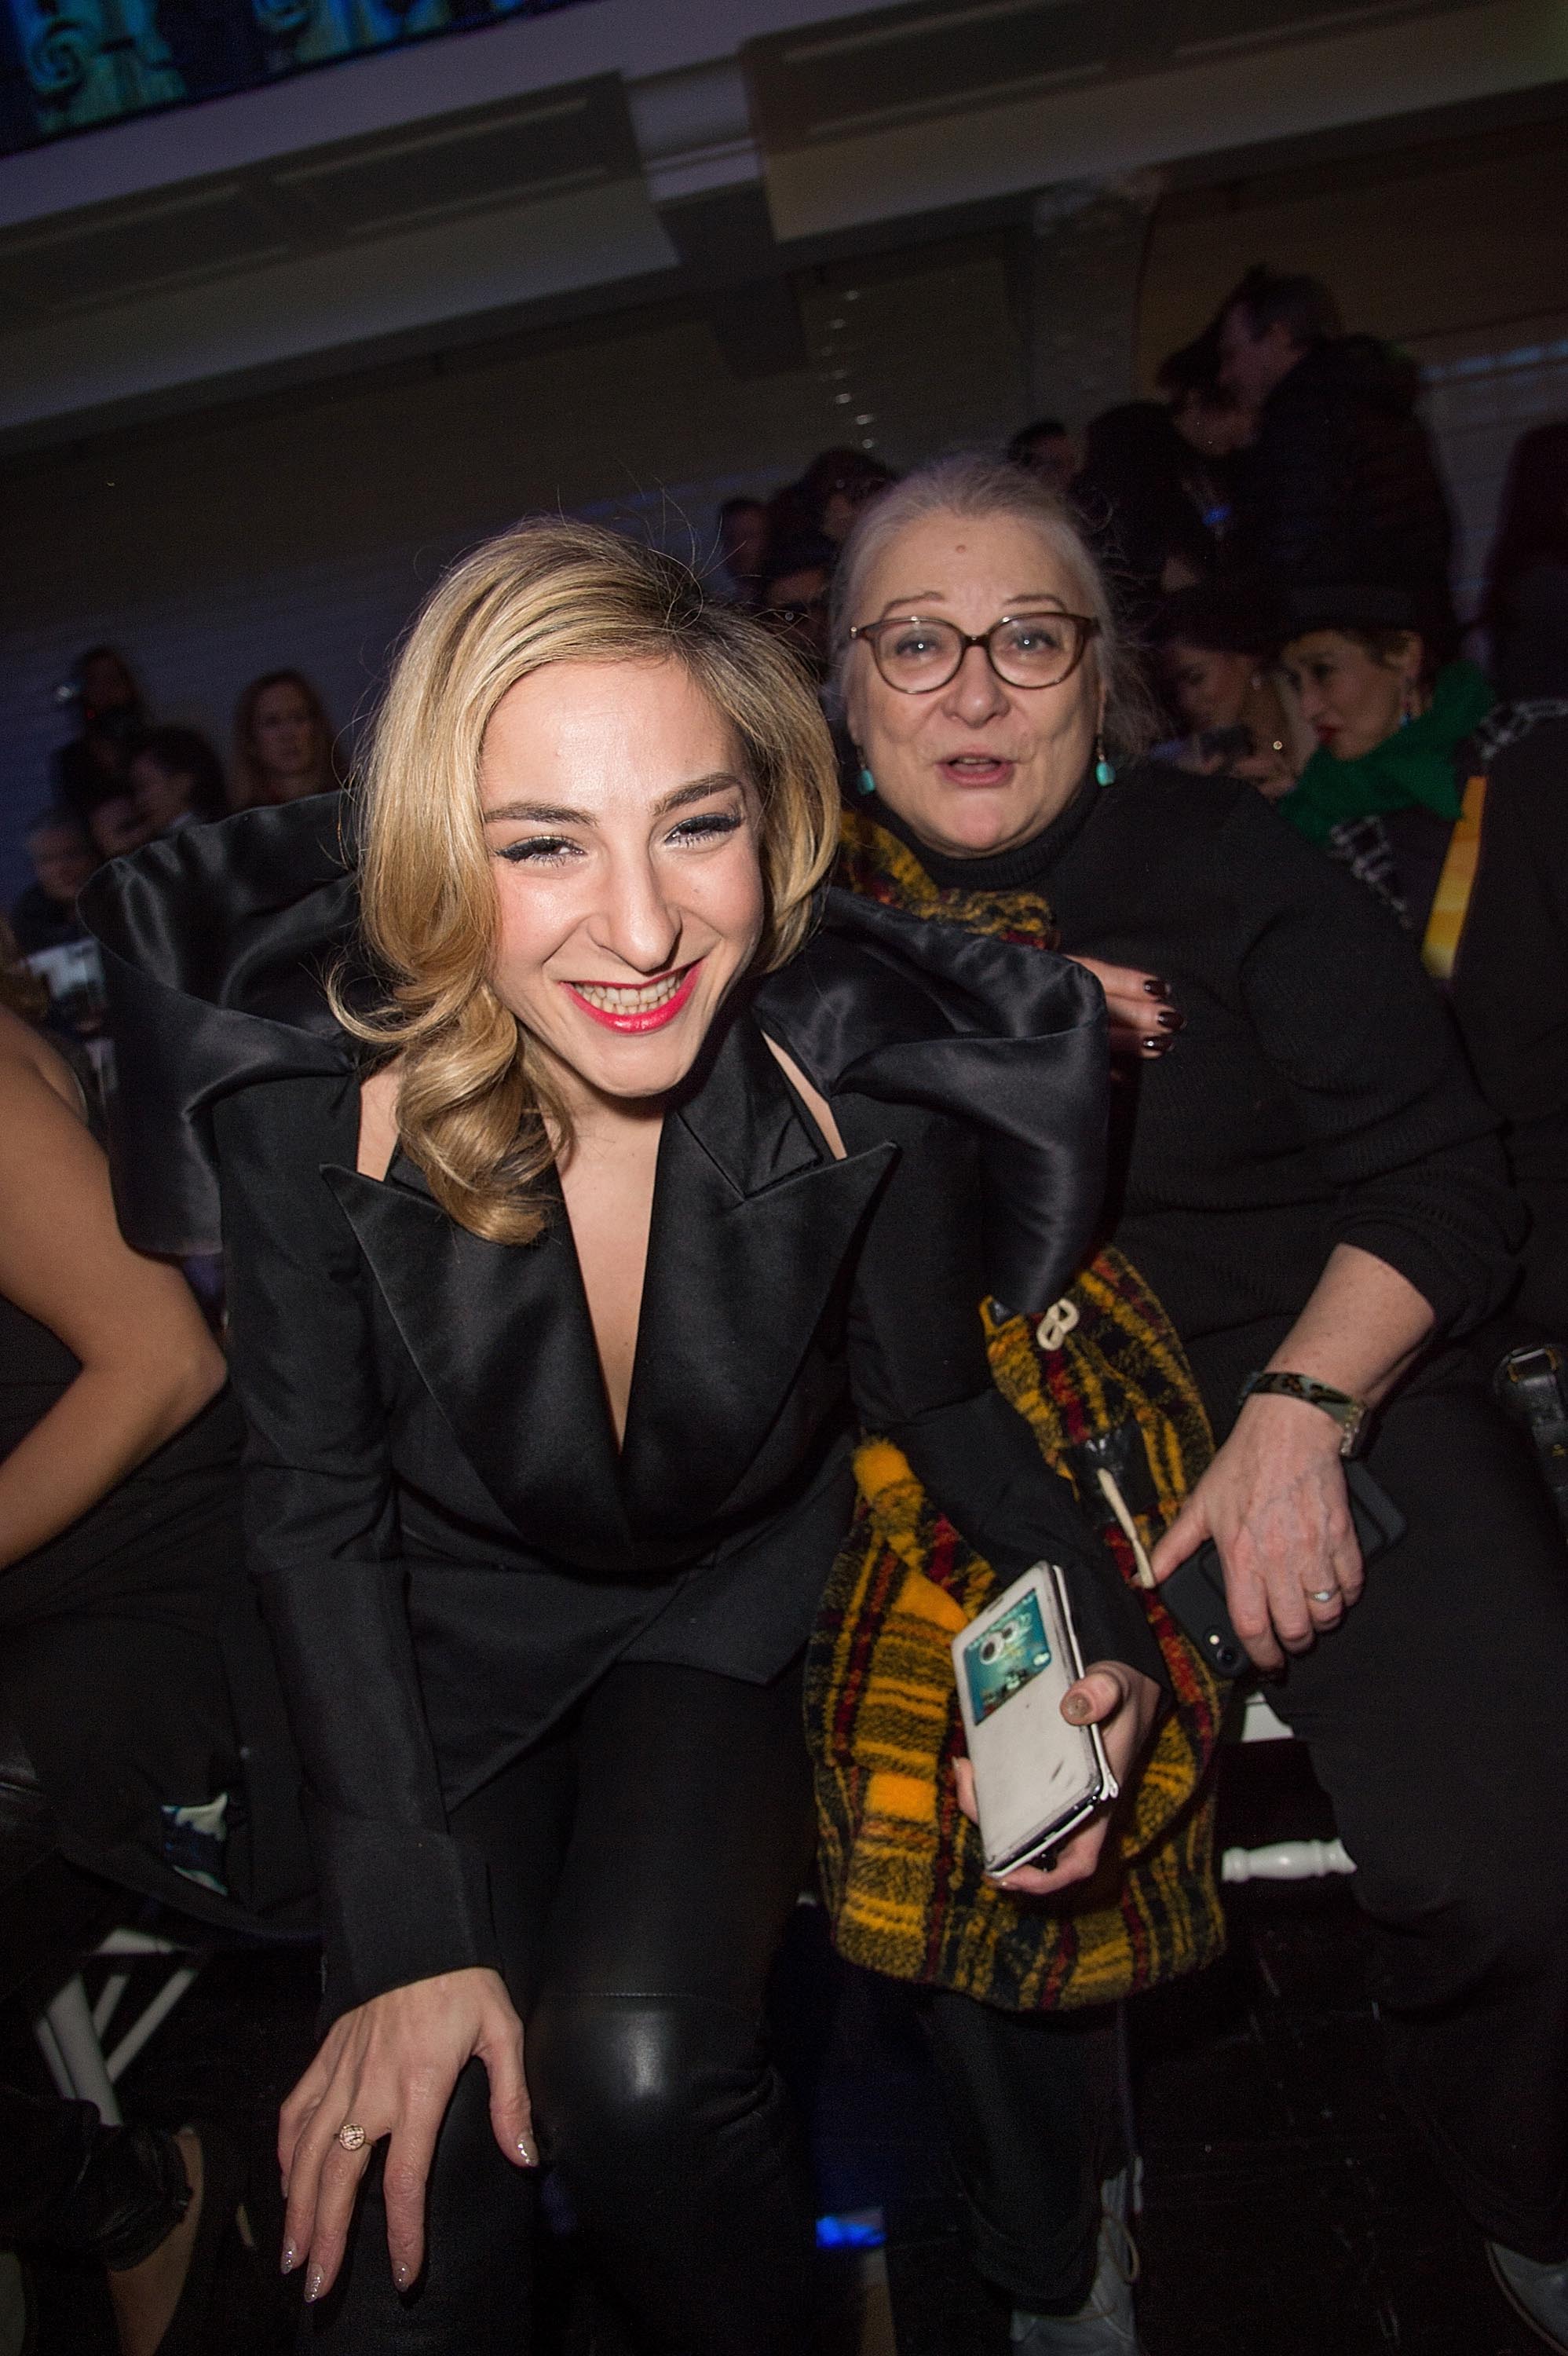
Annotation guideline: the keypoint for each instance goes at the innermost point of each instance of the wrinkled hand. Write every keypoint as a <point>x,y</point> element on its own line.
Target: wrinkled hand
<point>1144,1023</point>
<point>390,2066</point>
<point>1275,1502</point>
<point>1123,1704</point>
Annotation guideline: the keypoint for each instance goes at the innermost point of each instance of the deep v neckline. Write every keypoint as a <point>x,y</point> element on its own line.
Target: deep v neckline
<point>618,1439</point>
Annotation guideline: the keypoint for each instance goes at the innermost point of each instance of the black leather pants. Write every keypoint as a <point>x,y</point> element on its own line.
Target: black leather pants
<point>644,1863</point>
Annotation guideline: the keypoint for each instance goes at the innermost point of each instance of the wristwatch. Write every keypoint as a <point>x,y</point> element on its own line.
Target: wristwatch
<point>1349,1414</point>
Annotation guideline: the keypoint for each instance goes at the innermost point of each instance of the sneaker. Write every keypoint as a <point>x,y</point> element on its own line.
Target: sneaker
<point>1534,2290</point>
<point>1105,2325</point>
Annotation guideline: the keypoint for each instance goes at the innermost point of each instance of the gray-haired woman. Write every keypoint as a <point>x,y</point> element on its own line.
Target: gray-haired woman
<point>1313,1189</point>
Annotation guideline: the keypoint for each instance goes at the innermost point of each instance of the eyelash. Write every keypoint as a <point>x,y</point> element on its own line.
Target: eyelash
<point>550,850</point>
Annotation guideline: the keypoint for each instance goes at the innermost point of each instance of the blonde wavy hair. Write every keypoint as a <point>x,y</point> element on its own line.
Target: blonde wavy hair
<point>476,1109</point>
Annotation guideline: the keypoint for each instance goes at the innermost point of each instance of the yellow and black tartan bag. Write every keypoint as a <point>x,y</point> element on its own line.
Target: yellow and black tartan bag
<point>1104,1383</point>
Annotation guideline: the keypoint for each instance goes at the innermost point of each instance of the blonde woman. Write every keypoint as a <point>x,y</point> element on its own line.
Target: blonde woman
<point>564,1266</point>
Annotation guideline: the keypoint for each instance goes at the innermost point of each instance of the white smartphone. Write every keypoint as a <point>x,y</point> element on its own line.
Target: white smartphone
<point>1037,1777</point>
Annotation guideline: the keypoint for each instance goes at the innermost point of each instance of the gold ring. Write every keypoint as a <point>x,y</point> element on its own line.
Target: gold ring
<point>350,2136</point>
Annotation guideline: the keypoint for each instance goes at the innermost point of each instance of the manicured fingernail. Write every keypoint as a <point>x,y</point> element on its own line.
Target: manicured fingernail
<point>527,2151</point>
<point>1170,1020</point>
<point>290,2258</point>
<point>1076,1707</point>
<point>312,2286</point>
<point>1157,989</point>
<point>402,2274</point>
<point>1154,1046</point>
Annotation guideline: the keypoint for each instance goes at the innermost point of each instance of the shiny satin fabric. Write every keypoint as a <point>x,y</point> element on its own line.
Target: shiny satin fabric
<point>218,941</point>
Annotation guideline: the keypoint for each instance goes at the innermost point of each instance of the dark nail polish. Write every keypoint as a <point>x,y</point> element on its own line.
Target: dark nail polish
<point>1157,989</point>
<point>1170,1020</point>
<point>1155,1046</point>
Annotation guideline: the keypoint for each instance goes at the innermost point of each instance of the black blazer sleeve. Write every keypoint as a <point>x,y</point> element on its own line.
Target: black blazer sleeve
<point>921,1377</point>
<point>1375,1075</point>
<point>401,1899</point>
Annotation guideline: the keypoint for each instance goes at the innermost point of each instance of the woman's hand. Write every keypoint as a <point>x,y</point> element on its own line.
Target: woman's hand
<point>1269,770</point>
<point>1123,1704</point>
<point>1275,1502</point>
<point>1143,1021</point>
<point>390,2067</point>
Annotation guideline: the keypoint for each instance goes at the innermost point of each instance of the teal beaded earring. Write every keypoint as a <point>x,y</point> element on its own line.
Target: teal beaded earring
<point>1104,770</point>
<point>865,783</point>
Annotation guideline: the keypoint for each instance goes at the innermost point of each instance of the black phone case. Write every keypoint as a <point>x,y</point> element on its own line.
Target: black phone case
<point>1194,1595</point>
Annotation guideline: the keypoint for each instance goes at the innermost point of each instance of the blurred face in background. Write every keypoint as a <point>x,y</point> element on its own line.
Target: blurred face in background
<point>1053,458</point>
<point>285,741</point>
<point>1352,695</point>
<point>796,609</point>
<point>116,826</point>
<point>743,539</point>
<point>160,794</point>
<point>974,766</point>
<point>1216,424</point>
<point>1207,685</point>
<point>107,685</point>
<point>1252,365</point>
<point>62,862</point>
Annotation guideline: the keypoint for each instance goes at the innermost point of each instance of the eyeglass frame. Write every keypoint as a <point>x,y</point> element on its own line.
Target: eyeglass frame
<point>1089,627</point>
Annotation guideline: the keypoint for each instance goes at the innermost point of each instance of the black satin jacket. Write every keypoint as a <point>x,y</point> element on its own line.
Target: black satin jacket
<point>450,1546</point>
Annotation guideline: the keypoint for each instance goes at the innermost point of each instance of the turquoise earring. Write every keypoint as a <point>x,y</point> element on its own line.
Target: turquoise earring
<point>1104,770</point>
<point>865,783</point>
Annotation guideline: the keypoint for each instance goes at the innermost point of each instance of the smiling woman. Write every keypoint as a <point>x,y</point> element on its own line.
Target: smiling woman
<point>567,1269</point>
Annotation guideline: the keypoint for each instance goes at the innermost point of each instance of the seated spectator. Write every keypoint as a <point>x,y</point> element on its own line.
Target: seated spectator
<point>1215,656</point>
<point>44,917</point>
<point>744,547</point>
<point>1510,995</point>
<point>176,779</point>
<point>1045,449</point>
<point>113,712</point>
<point>1397,739</point>
<point>1526,607</point>
<point>1341,483</point>
<point>1308,1181</point>
<point>283,742</point>
<point>796,593</point>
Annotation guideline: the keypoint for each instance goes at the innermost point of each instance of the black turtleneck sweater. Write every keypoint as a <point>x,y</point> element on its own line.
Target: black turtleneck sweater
<point>1317,1095</point>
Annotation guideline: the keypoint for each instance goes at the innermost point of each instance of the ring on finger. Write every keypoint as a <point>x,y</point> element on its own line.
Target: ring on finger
<point>1323,1594</point>
<point>351,2136</point>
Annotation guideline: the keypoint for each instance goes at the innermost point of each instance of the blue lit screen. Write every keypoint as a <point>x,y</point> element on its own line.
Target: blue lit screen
<point>74,64</point>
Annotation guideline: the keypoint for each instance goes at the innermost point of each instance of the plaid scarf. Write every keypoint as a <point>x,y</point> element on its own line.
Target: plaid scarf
<point>1102,1380</point>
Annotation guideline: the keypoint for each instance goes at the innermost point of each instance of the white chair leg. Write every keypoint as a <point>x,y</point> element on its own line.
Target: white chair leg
<point>1297,1860</point>
<point>75,2057</point>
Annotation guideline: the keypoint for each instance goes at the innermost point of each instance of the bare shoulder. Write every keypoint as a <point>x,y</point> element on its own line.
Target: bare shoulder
<point>379,1122</point>
<point>26,1059</point>
<point>815,1101</point>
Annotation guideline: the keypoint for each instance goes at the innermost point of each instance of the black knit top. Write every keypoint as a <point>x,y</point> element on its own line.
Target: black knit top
<point>1317,1094</point>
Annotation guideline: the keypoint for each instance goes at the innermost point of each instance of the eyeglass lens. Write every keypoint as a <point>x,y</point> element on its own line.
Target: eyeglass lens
<point>1035,651</point>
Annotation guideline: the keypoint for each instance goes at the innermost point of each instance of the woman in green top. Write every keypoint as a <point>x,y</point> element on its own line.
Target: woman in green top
<point>1397,740</point>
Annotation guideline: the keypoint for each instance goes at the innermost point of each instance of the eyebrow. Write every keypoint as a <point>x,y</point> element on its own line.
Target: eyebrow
<point>559,814</point>
<point>913,602</point>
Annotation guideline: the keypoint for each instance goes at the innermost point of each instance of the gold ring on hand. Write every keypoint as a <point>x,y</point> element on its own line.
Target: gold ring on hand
<point>351,2137</point>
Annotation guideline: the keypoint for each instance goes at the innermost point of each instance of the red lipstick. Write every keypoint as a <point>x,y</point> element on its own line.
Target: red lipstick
<point>633,1021</point>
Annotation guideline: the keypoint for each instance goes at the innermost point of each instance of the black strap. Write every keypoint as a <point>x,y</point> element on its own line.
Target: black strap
<point>1530,1386</point>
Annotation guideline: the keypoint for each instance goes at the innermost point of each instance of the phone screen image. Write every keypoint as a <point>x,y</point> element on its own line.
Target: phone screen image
<point>1007,1657</point>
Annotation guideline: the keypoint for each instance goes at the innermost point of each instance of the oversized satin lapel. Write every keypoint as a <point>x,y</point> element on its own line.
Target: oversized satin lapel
<point>501,1337</point>
<point>751,1229</point>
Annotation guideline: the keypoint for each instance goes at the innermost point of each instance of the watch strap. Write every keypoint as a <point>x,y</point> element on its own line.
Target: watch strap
<point>1349,1414</point>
